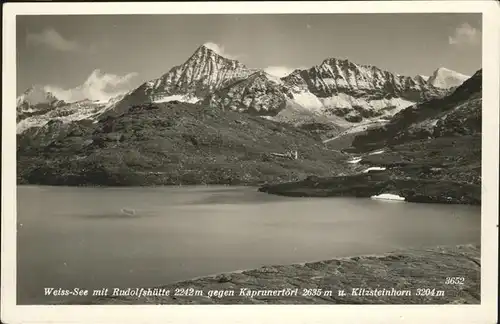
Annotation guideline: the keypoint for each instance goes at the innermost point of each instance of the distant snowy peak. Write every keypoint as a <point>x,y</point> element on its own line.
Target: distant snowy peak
<point>445,78</point>
<point>36,95</point>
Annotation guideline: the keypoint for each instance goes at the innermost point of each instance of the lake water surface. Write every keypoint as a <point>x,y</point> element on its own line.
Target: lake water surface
<point>88,238</point>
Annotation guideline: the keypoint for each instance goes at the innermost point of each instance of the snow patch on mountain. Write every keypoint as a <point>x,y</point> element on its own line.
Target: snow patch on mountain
<point>180,98</point>
<point>376,152</point>
<point>374,169</point>
<point>296,114</point>
<point>349,107</point>
<point>308,101</point>
<point>355,160</point>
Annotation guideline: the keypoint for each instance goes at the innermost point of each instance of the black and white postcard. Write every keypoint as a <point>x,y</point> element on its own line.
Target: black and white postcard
<point>250,162</point>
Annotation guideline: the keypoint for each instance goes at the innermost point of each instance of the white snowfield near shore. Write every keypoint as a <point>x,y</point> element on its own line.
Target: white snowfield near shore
<point>374,169</point>
<point>388,196</point>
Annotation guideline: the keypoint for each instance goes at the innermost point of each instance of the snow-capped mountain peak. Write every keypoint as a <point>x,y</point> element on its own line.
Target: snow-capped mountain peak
<point>445,78</point>
<point>35,95</point>
<point>205,71</point>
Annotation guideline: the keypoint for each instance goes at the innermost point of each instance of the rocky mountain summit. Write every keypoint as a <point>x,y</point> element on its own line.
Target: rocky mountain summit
<point>202,74</point>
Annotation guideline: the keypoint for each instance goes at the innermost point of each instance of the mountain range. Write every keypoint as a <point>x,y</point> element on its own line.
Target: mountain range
<point>335,91</point>
<point>212,120</point>
<point>429,152</point>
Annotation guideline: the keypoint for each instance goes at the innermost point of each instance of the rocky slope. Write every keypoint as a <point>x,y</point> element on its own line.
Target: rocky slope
<point>420,272</point>
<point>260,93</point>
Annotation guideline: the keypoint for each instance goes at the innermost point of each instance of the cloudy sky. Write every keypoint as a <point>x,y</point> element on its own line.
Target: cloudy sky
<point>99,56</point>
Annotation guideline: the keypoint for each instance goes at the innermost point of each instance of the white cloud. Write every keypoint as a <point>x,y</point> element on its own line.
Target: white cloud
<point>280,71</point>
<point>219,49</point>
<point>98,86</point>
<point>465,34</point>
<point>51,38</point>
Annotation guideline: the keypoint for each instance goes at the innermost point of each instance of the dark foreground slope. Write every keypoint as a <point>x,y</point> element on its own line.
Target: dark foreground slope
<point>172,143</point>
<point>429,152</point>
<point>419,273</point>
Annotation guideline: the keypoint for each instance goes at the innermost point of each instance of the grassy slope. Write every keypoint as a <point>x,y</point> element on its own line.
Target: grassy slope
<point>175,143</point>
<point>439,170</point>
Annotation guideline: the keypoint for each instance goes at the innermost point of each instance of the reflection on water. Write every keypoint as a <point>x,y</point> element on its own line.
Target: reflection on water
<point>135,237</point>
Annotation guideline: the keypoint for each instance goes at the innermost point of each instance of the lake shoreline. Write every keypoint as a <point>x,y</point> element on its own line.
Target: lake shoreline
<point>376,183</point>
<point>356,186</point>
<point>409,276</point>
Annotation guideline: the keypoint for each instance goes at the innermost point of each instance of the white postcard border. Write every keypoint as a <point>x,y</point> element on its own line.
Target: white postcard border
<point>484,313</point>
